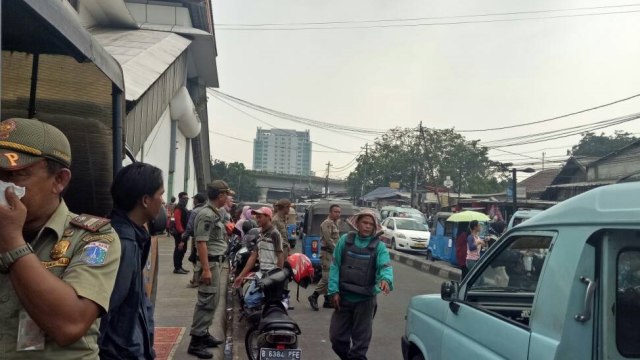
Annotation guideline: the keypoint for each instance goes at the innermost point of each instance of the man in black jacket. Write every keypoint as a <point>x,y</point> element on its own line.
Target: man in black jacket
<point>126,331</point>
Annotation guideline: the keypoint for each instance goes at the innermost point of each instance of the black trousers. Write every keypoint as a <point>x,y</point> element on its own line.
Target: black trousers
<point>178,255</point>
<point>351,329</point>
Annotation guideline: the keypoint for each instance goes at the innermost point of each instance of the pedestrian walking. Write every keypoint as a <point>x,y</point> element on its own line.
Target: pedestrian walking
<point>268,251</point>
<point>280,223</point>
<point>181,217</point>
<point>57,269</point>
<point>209,234</point>
<point>328,240</point>
<point>361,269</point>
<point>474,243</point>
<point>199,201</point>
<point>137,198</point>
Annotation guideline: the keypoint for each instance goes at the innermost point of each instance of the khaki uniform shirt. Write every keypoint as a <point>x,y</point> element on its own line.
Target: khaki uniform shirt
<point>210,228</point>
<point>87,261</point>
<point>280,224</point>
<point>329,235</point>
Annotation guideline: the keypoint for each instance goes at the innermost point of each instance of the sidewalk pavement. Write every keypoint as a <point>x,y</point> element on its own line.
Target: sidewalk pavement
<point>175,304</point>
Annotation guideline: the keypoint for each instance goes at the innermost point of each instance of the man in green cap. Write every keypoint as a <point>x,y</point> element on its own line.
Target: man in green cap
<point>209,235</point>
<point>57,269</point>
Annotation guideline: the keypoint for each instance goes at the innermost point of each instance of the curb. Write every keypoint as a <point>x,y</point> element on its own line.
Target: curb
<point>437,268</point>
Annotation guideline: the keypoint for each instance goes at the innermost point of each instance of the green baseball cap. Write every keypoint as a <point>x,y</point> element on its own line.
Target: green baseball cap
<point>25,141</point>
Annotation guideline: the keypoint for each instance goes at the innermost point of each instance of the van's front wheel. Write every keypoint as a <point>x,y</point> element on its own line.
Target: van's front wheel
<point>393,244</point>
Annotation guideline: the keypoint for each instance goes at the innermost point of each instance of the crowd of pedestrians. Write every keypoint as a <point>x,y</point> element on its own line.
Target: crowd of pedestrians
<point>72,286</point>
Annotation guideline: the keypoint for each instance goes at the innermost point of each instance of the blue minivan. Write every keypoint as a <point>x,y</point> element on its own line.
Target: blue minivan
<point>565,284</point>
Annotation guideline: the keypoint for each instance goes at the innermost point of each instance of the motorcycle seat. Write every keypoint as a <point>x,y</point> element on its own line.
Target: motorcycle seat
<point>277,319</point>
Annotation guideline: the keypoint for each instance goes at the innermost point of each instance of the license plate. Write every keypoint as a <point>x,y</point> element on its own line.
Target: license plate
<point>273,354</point>
<point>418,245</point>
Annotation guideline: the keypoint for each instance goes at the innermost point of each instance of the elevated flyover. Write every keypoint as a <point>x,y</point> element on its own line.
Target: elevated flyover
<point>275,186</point>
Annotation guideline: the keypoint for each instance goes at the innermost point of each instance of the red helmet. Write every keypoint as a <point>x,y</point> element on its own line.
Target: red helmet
<point>229,227</point>
<point>302,269</point>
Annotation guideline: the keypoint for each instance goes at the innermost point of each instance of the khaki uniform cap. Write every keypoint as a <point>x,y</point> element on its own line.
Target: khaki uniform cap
<point>25,141</point>
<point>221,186</point>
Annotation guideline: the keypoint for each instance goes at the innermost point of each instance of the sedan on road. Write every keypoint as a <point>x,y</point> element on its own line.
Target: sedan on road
<point>405,234</point>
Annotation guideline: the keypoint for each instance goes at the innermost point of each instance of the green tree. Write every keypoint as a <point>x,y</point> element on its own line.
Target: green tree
<point>601,145</point>
<point>239,179</point>
<point>425,158</point>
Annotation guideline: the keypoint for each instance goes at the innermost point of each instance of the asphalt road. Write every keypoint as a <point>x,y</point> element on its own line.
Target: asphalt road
<point>388,326</point>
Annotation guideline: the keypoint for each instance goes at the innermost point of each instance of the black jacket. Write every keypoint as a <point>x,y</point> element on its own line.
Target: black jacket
<point>126,331</point>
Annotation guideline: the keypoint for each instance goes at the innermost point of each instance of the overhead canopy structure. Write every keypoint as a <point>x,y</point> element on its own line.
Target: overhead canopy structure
<point>54,70</point>
<point>384,193</point>
<point>58,33</point>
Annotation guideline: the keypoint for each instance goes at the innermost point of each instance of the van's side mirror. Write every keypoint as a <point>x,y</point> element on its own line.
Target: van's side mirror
<point>449,290</point>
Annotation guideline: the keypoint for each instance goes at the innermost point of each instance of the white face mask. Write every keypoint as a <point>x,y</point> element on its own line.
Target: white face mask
<point>19,190</point>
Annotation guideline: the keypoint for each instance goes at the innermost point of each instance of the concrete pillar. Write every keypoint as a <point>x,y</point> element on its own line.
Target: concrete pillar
<point>262,197</point>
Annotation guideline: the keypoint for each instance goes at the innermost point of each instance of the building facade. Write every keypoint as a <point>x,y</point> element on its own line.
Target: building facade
<point>282,151</point>
<point>124,80</point>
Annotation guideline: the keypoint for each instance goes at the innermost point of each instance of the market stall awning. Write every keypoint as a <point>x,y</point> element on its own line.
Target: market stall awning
<point>384,193</point>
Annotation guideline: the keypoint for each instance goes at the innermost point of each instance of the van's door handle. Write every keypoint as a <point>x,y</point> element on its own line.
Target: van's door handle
<point>588,299</point>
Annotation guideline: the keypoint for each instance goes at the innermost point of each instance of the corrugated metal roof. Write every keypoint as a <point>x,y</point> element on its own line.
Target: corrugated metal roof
<point>143,54</point>
<point>202,50</point>
<point>53,27</point>
<point>583,184</point>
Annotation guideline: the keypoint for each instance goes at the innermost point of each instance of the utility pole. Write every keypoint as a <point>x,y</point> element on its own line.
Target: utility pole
<point>326,181</point>
<point>364,176</point>
<point>543,153</point>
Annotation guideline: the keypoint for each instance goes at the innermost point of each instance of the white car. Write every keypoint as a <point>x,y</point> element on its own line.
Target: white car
<point>405,234</point>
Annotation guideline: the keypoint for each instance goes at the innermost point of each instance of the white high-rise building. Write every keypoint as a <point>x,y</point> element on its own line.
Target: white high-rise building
<point>282,151</point>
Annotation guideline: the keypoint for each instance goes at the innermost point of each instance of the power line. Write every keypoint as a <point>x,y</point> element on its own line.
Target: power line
<point>553,118</point>
<point>422,24</point>
<point>428,18</point>
<point>284,148</point>
<point>271,125</point>
<point>295,118</point>
<point>559,133</point>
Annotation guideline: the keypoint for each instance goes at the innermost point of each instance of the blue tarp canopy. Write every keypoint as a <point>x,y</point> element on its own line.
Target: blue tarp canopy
<point>384,193</point>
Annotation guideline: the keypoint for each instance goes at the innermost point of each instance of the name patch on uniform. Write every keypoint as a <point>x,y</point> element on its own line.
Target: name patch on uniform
<point>95,253</point>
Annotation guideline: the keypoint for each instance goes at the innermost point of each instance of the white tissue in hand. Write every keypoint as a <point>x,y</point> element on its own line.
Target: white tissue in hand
<point>18,190</point>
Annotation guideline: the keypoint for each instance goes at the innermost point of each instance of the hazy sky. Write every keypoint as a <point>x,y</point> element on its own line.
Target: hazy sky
<point>465,75</point>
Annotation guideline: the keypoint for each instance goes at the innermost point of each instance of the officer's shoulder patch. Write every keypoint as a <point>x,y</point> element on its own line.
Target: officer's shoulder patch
<point>95,253</point>
<point>90,222</point>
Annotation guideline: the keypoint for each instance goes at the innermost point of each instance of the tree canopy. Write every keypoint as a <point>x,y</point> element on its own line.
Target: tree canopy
<point>238,178</point>
<point>601,145</point>
<point>427,157</point>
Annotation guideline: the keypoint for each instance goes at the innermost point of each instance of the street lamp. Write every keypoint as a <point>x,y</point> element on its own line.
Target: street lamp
<point>515,182</point>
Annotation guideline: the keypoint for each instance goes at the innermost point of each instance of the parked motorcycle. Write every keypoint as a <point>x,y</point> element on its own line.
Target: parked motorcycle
<point>274,335</point>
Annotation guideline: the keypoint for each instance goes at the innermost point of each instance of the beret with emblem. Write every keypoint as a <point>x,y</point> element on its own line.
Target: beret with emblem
<point>25,141</point>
